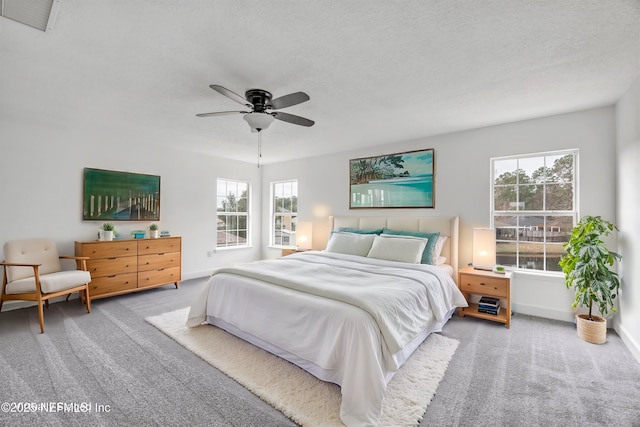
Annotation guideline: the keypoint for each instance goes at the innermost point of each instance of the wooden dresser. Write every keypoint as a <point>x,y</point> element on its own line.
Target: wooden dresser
<point>123,266</point>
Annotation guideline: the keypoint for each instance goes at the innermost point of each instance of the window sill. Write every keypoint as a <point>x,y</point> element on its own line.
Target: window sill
<point>551,276</point>
<point>231,248</point>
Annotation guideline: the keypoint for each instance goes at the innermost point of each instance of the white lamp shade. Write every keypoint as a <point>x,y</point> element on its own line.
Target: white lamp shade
<point>304,235</point>
<point>258,121</point>
<point>484,248</point>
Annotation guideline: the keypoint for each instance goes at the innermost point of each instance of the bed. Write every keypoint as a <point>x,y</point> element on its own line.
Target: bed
<point>348,314</point>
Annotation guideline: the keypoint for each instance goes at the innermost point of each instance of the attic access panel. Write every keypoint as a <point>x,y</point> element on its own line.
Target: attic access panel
<point>38,14</point>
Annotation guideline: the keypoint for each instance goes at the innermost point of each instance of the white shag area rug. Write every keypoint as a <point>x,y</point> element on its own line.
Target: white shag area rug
<point>299,395</point>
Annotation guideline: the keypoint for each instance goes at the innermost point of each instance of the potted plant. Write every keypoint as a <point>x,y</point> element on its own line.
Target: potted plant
<point>153,231</point>
<point>106,231</point>
<point>586,267</point>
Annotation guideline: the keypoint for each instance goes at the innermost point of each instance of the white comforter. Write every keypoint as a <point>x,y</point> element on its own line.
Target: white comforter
<point>368,310</point>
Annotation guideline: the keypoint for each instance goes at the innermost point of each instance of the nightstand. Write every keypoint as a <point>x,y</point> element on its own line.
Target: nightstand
<point>286,252</point>
<point>481,282</point>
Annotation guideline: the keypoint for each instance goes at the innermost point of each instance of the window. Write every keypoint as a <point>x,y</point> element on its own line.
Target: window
<point>284,201</point>
<point>534,208</point>
<point>233,213</point>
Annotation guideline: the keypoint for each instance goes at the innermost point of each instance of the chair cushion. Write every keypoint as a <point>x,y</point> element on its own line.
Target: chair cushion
<point>53,282</point>
<point>33,251</point>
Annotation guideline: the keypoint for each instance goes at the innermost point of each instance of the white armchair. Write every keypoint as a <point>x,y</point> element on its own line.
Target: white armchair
<point>33,272</point>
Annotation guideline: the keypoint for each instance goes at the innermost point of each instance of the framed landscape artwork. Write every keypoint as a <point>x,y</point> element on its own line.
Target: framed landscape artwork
<point>120,196</point>
<point>401,180</point>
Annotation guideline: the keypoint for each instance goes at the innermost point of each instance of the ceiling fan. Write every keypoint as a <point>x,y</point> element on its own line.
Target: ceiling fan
<point>261,107</point>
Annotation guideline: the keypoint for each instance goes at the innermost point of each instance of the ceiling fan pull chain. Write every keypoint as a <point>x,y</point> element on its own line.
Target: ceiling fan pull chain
<point>259,147</point>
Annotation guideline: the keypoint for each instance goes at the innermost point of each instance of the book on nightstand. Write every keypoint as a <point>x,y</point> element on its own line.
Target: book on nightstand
<point>489,305</point>
<point>493,311</point>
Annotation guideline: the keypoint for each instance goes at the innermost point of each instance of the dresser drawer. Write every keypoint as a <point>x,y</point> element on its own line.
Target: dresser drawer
<point>107,249</point>
<point>157,261</point>
<point>483,285</point>
<point>161,245</point>
<point>108,285</point>
<point>111,266</point>
<point>123,266</point>
<point>156,277</point>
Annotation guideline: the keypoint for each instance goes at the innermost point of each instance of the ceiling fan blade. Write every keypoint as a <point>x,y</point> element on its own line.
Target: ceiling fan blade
<point>231,95</point>
<point>289,100</point>
<point>221,113</point>
<point>290,118</point>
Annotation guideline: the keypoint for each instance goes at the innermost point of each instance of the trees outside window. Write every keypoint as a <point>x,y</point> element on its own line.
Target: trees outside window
<point>284,213</point>
<point>232,206</point>
<point>533,208</point>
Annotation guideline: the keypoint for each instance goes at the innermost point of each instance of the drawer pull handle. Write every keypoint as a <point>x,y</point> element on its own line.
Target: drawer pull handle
<point>112,258</point>
<point>162,253</point>
<point>112,276</point>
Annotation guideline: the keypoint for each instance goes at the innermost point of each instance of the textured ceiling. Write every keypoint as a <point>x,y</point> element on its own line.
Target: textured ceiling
<point>377,71</point>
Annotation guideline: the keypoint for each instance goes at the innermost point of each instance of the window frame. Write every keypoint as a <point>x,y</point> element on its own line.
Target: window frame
<point>293,215</point>
<point>238,214</point>
<point>519,213</point>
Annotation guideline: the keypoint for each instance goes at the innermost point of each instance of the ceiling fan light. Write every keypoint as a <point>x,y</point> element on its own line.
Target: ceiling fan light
<point>258,121</point>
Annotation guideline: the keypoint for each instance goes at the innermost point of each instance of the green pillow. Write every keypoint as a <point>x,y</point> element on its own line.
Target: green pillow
<point>432,238</point>
<point>360,230</point>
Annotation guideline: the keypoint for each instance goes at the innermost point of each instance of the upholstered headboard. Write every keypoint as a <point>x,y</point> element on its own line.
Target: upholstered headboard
<point>447,226</point>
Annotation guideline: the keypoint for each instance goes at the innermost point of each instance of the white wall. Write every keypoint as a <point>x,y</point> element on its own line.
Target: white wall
<point>628,203</point>
<point>41,176</point>
<point>462,163</point>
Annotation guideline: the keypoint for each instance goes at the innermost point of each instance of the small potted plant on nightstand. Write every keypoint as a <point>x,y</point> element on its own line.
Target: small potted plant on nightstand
<point>106,231</point>
<point>153,231</point>
<point>586,268</point>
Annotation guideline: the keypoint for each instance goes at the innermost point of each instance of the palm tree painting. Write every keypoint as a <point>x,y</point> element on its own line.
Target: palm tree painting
<point>402,180</point>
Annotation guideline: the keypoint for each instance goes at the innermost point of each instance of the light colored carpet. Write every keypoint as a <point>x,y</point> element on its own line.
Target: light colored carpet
<point>299,395</point>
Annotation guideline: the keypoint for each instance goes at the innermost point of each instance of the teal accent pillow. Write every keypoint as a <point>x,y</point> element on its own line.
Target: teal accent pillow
<point>360,230</point>
<point>432,238</point>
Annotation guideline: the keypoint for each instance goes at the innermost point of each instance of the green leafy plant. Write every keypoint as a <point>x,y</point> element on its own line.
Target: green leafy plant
<point>107,226</point>
<point>153,227</point>
<point>586,265</point>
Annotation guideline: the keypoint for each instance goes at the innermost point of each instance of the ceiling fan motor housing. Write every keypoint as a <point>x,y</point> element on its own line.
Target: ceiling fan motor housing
<point>261,99</point>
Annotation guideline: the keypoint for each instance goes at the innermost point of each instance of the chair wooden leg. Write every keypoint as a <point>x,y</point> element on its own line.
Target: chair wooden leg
<point>86,295</point>
<point>41,315</point>
<point>46,303</point>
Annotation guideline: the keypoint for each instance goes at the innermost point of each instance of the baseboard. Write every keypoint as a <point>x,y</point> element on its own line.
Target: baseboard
<point>627,339</point>
<point>196,274</point>
<point>544,312</point>
<point>18,304</point>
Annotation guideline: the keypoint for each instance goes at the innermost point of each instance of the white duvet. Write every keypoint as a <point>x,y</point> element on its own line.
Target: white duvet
<point>343,318</point>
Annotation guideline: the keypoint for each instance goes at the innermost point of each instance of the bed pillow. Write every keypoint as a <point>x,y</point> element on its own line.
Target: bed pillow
<point>350,243</point>
<point>437,249</point>
<point>441,260</point>
<point>360,230</point>
<point>398,248</point>
<point>432,238</point>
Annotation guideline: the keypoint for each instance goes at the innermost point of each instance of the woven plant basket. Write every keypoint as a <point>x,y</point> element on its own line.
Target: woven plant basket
<point>593,331</point>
